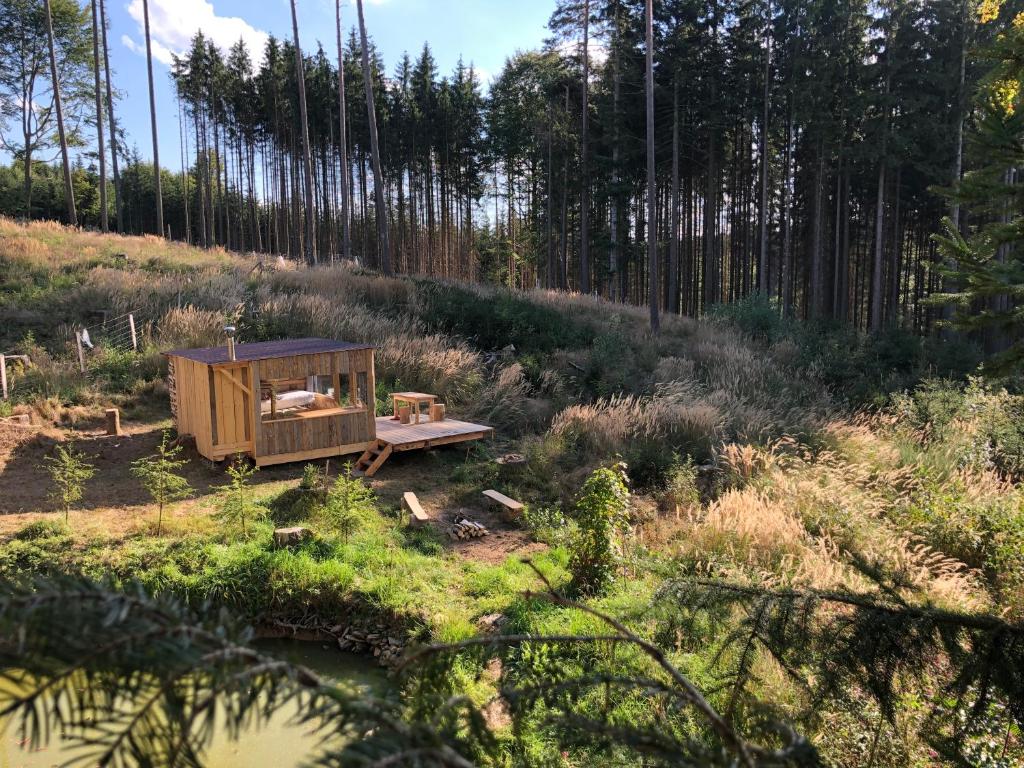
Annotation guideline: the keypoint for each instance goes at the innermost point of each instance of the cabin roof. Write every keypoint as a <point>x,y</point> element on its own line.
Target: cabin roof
<point>264,350</point>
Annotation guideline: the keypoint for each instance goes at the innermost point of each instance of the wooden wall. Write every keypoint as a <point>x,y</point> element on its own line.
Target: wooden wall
<point>293,439</point>
<point>192,389</point>
<point>232,401</point>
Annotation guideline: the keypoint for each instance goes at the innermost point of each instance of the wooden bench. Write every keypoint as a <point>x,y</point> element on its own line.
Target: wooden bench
<point>417,517</point>
<point>511,508</point>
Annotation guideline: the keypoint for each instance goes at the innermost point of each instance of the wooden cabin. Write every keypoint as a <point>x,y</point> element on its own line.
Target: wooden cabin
<point>276,401</point>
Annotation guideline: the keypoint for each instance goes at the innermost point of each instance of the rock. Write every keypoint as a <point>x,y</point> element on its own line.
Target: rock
<point>287,537</point>
<point>491,621</point>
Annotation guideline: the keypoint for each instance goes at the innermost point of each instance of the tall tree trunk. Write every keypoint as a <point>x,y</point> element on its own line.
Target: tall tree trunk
<point>69,190</point>
<point>309,238</point>
<point>346,237</point>
<point>877,297</point>
<point>763,285</point>
<point>111,124</point>
<point>613,251</point>
<point>152,120</point>
<point>652,229</point>
<point>673,241</point>
<point>378,176</point>
<point>584,165</point>
<point>786,279</point>
<point>101,149</point>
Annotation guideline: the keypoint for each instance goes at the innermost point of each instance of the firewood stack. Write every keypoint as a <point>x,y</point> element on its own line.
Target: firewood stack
<point>463,528</point>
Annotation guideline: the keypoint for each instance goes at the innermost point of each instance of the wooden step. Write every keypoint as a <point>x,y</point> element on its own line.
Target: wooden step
<point>371,459</point>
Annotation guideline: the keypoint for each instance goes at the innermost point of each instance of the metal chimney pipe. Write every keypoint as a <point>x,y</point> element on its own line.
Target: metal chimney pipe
<point>230,331</point>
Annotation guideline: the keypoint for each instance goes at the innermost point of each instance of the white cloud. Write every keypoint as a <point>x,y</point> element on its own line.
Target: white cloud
<point>173,23</point>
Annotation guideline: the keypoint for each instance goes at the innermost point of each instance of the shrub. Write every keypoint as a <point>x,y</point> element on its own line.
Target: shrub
<point>600,512</point>
<point>42,529</point>
<point>493,319</point>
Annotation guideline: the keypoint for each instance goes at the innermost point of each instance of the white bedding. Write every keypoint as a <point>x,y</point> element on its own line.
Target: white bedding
<point>286,400</point>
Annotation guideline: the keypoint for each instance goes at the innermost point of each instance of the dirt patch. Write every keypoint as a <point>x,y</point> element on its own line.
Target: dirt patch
<point>502,541</point>
<point>115,504</point>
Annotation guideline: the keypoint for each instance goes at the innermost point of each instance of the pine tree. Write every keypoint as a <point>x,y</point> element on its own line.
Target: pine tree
<point>988,261</point>
<point>159,476</point>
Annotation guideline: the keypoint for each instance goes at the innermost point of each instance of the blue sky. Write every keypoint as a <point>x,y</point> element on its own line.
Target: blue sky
<point>483,32</point>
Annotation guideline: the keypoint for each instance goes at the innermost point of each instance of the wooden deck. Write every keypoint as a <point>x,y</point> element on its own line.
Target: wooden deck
<point>394,436</point>
<point>426,434</point>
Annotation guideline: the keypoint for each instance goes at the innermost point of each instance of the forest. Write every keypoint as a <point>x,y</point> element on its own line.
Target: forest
<point>801,151</point>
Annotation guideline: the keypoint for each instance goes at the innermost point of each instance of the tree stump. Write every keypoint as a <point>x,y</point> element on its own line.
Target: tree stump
<point>288,537</point>
<point>113,421</point>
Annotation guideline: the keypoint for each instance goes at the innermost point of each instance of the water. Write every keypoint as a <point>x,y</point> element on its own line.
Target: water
<point>277,744</point>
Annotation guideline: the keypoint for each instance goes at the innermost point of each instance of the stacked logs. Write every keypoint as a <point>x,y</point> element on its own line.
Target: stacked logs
<point>463,528</point>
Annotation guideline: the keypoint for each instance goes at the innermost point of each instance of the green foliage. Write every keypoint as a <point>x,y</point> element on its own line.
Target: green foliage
<point>601,514</point>
<point>756,316</point>
<point>118,370</point>
<point>69,471</point>
<point>493,321</point>
<point>237,509</point>
<point>348,503</point>
<point>42,529</point>
<point>547,523</point>
<point>159,476</point>
<point>680,489</point>
<point>979,425</point>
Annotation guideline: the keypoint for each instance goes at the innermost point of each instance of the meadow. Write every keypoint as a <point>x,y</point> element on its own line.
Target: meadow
<point>760,454</point>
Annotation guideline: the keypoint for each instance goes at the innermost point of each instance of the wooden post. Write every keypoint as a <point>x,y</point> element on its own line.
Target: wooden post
<point>3,375</point>
<point>81,353</point>
<point>113,421</point>
<point>131,326</point>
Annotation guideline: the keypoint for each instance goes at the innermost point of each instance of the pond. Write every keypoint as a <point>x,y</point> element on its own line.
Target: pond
<point>277,744</point>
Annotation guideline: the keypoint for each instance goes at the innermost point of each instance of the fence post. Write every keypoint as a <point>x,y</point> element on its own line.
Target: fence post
<point>81,353</point>
<point>131,325</point>
<point>3,375</point>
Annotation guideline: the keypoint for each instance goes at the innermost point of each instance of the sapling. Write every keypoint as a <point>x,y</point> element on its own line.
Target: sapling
<point>347,501</point>
<point>237,506</point>
<point>69,471</point>
<point>158,474</point>
<point>602,514</point>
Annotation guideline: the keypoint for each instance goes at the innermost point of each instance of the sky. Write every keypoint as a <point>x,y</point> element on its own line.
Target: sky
<point>483,32</point>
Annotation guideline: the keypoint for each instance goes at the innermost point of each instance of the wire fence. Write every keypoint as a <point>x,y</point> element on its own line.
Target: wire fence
<point>118,332</point>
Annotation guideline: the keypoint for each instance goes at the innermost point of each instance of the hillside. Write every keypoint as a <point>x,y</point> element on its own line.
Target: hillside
<point>758,456</point>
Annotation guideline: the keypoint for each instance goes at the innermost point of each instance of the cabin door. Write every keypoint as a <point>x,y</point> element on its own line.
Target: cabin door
<point>231,398</point>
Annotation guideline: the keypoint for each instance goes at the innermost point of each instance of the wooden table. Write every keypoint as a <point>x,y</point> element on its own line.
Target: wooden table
<point>413,399</point>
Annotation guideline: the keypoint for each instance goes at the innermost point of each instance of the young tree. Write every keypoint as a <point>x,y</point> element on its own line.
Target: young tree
<point>601,513</point>
<point>152,122</point>
<point>348,502</point>
<point>237,508</point>
<point>69,190</point>
<point>380,212</point>
<point>69,471</point>
<point>159,476</point>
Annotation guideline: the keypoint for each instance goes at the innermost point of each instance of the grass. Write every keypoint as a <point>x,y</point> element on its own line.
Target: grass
<point>746,459</point>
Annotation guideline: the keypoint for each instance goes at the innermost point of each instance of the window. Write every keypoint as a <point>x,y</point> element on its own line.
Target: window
<point>309,397</point>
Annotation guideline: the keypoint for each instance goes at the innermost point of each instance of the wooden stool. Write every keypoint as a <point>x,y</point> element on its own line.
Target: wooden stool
<point>437,412</point>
